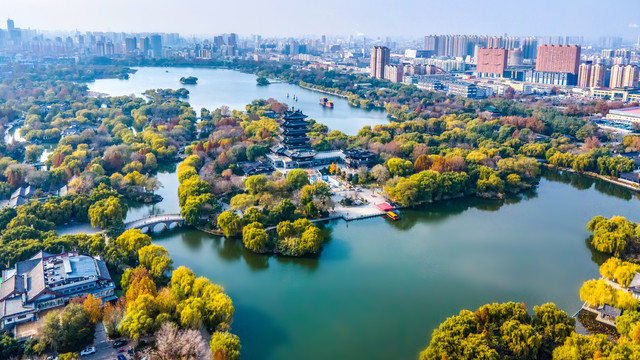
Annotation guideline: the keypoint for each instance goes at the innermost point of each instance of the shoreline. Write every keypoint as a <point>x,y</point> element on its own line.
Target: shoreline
<point>618,181</point>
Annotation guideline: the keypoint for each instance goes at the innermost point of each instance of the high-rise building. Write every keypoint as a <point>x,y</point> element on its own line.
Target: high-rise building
<point>584,75</point>
<point>630,76</point>
<point>233,39</point>
<point>218,41</point>
<point>529,48</point>
<point>156,45</point>
<point>561,58</point>
<point>495,42</point>
<point>491,62</point>
<point>624,76</point>
<point>598,75</point>
<point>145,45</point>
<point>431,43</point>
<point>393,73</point>
<point>380,57</point>
<point>130,44</point>
<point>10,25</point>
<point>109,49</point>
<point>511,43</point>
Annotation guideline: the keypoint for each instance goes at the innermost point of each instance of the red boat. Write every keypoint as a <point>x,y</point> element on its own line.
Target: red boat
<point>326,102</point>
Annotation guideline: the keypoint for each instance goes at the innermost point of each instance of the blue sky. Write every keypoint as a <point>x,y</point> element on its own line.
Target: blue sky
<point>408,18</point>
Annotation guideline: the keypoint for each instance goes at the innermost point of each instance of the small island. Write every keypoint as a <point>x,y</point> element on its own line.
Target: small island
<point>191,80</point>
<point>262,81</point>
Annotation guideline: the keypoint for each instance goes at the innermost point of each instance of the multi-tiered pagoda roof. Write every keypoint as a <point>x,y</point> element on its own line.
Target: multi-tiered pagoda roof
<point>294,142</point>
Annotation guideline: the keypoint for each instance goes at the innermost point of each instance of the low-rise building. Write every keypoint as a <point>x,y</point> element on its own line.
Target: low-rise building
<point>355,158</point>
<point>47,281</point>
<point>628,116</point>
<point>465,89</point>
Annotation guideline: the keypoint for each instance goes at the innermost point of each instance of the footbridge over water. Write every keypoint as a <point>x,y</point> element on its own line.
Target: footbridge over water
<point>156,223</point>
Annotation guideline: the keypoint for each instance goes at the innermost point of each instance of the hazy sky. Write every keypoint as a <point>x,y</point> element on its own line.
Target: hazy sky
<point>409,18</point>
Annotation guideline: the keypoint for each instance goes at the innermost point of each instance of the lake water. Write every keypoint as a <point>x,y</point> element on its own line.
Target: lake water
<point>217,87</point>
<point>379,288</point>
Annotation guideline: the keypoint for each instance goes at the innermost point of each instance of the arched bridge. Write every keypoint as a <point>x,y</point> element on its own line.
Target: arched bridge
<point>150,224</point>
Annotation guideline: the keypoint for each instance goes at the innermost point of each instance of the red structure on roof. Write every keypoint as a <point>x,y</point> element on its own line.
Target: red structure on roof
<point>385,207</point>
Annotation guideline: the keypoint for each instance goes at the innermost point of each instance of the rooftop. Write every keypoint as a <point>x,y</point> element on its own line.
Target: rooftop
<point>634,111</point>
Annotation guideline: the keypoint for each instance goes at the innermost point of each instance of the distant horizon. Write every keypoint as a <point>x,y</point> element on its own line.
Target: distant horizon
<point>406,20</point>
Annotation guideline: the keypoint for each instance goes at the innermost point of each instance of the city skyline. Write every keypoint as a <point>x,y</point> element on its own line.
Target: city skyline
<point>408,19</point>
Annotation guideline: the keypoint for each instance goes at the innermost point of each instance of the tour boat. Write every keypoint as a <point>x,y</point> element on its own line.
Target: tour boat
<point>393,216</point>
<point>324,101</point>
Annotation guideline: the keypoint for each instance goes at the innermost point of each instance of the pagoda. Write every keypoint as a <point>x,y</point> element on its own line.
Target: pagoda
<point>294,142</point>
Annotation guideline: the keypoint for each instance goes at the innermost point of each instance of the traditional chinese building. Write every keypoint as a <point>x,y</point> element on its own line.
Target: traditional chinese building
<point>294,150</point>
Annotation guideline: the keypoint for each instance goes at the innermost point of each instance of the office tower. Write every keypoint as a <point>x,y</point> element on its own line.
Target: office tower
<point>145,45</point>
<point>218,41</point>
<point>584,75</point>
<point>529,48</point>
<point>561,58</point>
<point>10,25</point>
<point>130,45</point>
<point>109,49</point>
<point>156,45</point>
<point>380,57</point>
<point>491,61</point>
<point>100,48</point>
<point>233,39</point>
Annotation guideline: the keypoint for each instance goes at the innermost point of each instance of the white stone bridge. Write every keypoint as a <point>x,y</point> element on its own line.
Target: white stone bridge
<point>150,224</point>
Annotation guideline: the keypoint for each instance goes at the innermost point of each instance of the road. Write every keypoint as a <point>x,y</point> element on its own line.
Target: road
<point>104,349</point>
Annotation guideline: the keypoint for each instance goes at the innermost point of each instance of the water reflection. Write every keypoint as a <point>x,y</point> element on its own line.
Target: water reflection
<point>583,182</point>
<point>596,256</point>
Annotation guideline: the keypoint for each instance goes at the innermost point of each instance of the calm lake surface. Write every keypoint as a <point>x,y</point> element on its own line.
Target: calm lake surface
<point>217,87</point>
<point>380,288</point>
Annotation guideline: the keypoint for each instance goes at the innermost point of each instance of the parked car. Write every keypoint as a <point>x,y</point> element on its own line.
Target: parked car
<point>52,358</point>
<point>88,351</point>
<point>119,343</point>
<point>121,357</point>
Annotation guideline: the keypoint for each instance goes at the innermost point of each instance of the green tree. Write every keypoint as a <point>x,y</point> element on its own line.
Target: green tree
<point>399,167</point>
<point>254,237</point>
<point>256,184</point>
<point>225,346</point>
<point>611,236</point>
<point>156,260</point>
<point>597,293</point>
<point>242,202</point>
<point>195,207</point>
<point>107,213</point>
<point>580,347</point>
<point>521,339</point>
<point>229,223</point>
<point>297,178</point>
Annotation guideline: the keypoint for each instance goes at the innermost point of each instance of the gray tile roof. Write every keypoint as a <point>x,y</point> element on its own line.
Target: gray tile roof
<point>609,311</point>
<point>635,283</point>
